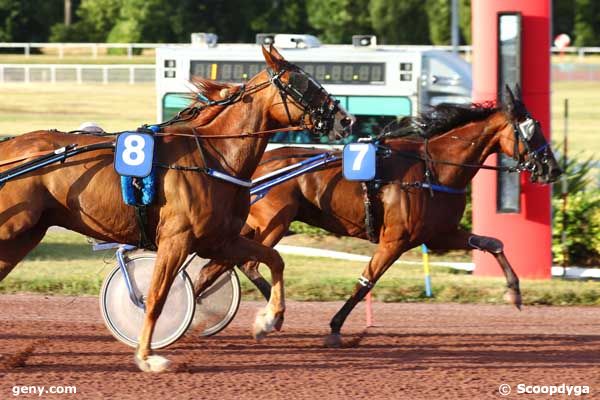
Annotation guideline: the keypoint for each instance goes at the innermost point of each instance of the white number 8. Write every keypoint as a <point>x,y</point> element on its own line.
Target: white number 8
<point>134,144</point>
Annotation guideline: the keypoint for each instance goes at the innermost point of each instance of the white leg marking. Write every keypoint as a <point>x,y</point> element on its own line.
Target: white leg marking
<point>152,363</point>
<point>264,322</point>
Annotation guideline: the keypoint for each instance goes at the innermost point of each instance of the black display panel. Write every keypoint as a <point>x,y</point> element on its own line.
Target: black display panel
<point>324,72</point>
<point>509,73</point>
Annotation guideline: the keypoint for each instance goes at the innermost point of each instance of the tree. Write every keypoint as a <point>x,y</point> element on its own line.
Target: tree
<point>28,20</point>
<point>400,22</point>
<point>587,23</point>
<point>464,20</point>
<point>232,20</point>
<point>95,19</point>
<point>282,17</point>
<point>563,17</point>
<point>338,20</point>
<point>438,13</point>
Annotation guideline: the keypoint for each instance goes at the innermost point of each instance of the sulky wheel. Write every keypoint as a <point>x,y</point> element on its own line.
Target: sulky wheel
<point>124,319</point>
<point>216,306</point>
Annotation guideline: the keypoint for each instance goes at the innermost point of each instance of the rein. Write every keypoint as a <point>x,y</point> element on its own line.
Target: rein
<point>321,119</point>
<point>428,159</point>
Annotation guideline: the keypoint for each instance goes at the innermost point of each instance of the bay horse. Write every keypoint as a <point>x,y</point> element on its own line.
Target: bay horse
<point>193,212</point>
<point>451,146</point>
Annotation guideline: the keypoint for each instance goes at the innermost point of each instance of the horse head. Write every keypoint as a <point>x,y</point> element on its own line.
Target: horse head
<point>524,141</point>
<point>300,100</point>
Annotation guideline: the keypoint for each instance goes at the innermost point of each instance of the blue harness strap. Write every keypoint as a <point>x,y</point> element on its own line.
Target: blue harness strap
<point>147,190</point>
<point>443,189</point>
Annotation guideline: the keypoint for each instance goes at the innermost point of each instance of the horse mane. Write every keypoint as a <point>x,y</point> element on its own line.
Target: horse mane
<point>438,119</point>
<point>205,90</point>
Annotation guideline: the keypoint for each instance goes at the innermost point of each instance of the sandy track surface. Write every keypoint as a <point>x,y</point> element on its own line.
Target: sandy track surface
<point>416,351</point>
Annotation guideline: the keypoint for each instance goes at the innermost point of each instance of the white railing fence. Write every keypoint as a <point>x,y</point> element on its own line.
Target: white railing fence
<point>91,48</point>
<point>129,48</point>
<point>145,73</point>
<point>77,73</point>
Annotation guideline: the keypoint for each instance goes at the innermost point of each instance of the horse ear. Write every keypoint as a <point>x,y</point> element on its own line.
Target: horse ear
<point>509,100</point>
<point>518,94</point>
<point>275,53</point>
<point>509,97</point>
<point>271,61</point>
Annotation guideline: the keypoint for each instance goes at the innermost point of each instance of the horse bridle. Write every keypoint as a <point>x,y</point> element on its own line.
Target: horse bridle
<point>321,114</point>
<point>534,159</point>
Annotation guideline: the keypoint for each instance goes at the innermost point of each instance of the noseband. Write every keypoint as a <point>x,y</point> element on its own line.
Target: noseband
<point>308,96</point>
<point>523,132</point>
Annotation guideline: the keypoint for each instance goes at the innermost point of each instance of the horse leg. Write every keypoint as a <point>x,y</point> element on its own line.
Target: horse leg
<point>208,275</point>
<point>243,249</point>
<point>463,240</point>
<point>250,269</point>
<point>172,252</point>
<point>384,257</point>
<point>213,270</point>
<point>270,238</point>
<point>14,250</point>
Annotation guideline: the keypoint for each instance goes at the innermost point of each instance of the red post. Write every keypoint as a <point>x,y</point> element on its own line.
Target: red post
<point>526,235</point>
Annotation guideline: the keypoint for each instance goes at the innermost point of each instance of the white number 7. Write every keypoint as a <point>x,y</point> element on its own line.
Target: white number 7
<point>362,151</point>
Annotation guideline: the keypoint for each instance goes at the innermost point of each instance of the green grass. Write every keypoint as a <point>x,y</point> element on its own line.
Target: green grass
<point>584,103</point>
<point>65,264</point>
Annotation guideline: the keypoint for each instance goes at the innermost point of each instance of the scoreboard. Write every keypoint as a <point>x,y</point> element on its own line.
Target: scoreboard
<point>324,72</point>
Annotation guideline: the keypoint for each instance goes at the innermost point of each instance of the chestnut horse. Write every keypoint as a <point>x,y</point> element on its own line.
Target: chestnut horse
<point>458,140</point>
<point>193,212</point>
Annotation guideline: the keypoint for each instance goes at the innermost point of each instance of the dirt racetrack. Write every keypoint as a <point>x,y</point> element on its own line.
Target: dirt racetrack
<point>416,351</point>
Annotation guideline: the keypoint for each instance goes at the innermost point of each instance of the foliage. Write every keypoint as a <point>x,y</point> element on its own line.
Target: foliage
<point>466,222</point>
<point>338,20</point>
<point>563,17</point>
<point>282,17</point>
<point>579,174</point>
<point>28,21</point>
<point>587,23</point>
<point>95,20</point>
<point>302,228</point>
<point>582,228</point>
<point>582,223</point>
<point>232,20</point>
<point>439,16</point>
<point>464,20</point>
<point>335,21</point>
<point>399,22</point>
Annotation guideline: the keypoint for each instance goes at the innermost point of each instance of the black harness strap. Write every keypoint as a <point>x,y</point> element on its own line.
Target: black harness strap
<point>370,228</point>
<point>141,217</point>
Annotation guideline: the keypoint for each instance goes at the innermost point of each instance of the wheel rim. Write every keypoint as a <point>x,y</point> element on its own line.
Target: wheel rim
<point>125,320</point>
<point>217,311</point>
<point>216,306</point>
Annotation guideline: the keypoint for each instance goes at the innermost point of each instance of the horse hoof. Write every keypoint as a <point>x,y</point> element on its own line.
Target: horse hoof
<point>333,341</point>
<point>513,297</point>
<point>152,363</point>
<point>279,323</point>
<point>264,323</point>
